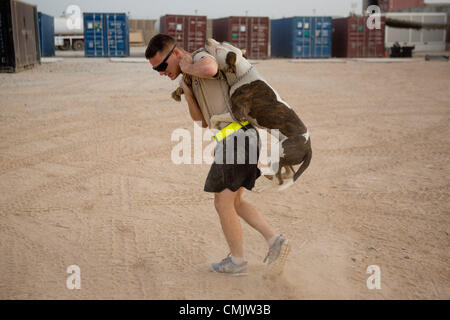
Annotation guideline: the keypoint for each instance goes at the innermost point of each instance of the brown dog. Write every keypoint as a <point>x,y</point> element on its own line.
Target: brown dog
<point>254,99</point>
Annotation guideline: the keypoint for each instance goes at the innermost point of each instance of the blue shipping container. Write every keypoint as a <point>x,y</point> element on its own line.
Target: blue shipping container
<point>46,34</point>
<point>106,35</point>
<point>301,37</point>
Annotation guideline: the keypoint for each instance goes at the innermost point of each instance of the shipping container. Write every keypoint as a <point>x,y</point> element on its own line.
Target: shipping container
<point>46,35</point>
<point>106,35</point>
<point>188,31</point>
<point>19,36</point>
<point>301,37</point>
<point>422,39</point>
<point>249,33</point>
<point>392,5</point>
<point>353,39</point>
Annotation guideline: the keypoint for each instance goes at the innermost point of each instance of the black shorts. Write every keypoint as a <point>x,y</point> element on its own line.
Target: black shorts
<point>239,167</point>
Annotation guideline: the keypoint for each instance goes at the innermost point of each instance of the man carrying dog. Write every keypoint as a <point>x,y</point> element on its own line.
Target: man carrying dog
<point>226,179</point>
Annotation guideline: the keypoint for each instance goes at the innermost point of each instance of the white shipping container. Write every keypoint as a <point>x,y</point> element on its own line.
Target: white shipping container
<point>422,39</point>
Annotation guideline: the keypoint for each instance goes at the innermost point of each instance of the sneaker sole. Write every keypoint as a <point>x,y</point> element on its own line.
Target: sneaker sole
<point>276,267</point>
<point>237,274</point>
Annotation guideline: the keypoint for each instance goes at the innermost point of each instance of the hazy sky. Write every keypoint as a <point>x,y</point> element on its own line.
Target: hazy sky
<point>152,9</point>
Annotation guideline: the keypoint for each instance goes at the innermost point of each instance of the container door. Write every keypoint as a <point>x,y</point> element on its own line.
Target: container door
<point>94,36</point>
<point>41,35</point>
<point>258,37</point>
<point>176,28</point>
<point>303,42</point>
<point>239,32</point>
<point>356,37</point>
<point>371,42</point>
<point>51,39</point>
<point>375,41</point>
<point>46,35</point>
<point>308,30</point>
<point>299,38</point>
<point>116,35</point>
<point>322,37</point>
<point>25,47</point>
<point>196,32</point>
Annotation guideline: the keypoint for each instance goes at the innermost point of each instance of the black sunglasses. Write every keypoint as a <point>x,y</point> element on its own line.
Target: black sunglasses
<point>163,65</point>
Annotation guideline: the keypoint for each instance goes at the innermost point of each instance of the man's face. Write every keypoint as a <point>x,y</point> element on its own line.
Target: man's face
<point>173,69</point>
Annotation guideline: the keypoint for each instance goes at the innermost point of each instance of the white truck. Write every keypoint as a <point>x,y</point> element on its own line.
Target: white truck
<point>69,31</point>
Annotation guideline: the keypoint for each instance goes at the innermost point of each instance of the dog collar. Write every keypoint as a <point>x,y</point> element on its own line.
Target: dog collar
<point>241,77</point>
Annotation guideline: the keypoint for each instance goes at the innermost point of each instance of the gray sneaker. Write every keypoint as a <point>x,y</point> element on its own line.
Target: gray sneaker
<point>277,255</point>
<point>227,266</point>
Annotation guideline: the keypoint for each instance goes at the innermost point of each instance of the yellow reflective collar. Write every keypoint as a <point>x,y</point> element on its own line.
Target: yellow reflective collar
<point>229,130</point>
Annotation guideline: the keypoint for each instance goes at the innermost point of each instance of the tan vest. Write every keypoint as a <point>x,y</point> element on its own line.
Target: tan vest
<point>212,96</point>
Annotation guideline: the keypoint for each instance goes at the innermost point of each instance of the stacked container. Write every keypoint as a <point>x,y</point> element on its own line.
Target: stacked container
<point>46,35</point>
<point>250,33</point>
<point>106,35</point>
<point>19,36</point>
<point>353,39</point>
<point>301,37</point>
<point>188,31</point>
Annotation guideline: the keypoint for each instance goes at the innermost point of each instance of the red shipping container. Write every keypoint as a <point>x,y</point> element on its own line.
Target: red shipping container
<point>353,39</point>
<point>188,31</point>
<point>393,5</point>
<point>250,33</point>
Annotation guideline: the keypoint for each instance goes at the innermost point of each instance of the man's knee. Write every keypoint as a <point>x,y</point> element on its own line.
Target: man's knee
<point>223,200</point>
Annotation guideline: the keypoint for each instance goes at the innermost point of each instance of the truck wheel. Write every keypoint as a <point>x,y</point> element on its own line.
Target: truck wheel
<point>78,45</point>
<point>66,45</point>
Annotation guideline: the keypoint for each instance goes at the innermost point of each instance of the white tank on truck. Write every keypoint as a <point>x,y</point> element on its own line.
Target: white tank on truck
<point>69,33</point>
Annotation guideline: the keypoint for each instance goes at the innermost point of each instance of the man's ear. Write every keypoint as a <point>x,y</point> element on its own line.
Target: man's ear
<point>231,60</point>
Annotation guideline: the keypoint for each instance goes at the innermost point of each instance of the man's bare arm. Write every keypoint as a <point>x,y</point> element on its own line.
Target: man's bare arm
<point>194,109</point>
<point>206,67</point>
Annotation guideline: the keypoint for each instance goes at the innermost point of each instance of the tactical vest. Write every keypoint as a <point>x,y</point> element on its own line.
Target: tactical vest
<point>212,96</point>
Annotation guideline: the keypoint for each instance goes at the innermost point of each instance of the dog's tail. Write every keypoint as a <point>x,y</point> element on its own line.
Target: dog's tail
<point>305,164</point>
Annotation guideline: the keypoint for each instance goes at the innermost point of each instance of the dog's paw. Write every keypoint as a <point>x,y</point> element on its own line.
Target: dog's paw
<point>286,184</point>
<point>176,95</point>
<point>240,116</point>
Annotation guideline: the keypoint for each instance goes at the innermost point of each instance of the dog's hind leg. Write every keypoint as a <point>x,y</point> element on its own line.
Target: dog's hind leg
<point>289,172</point>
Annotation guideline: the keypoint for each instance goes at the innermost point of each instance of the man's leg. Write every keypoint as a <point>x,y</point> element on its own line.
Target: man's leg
<point>253,217</point>
<point>231,226</point>
<point>279,246</point>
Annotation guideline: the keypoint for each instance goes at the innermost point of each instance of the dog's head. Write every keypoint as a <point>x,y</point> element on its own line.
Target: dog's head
<point>231,60</point>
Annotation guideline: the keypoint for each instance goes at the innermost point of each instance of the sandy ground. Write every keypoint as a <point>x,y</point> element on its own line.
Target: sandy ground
<point>87,180</point>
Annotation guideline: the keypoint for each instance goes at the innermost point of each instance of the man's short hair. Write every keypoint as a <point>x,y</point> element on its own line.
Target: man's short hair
<point>158,43</point>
